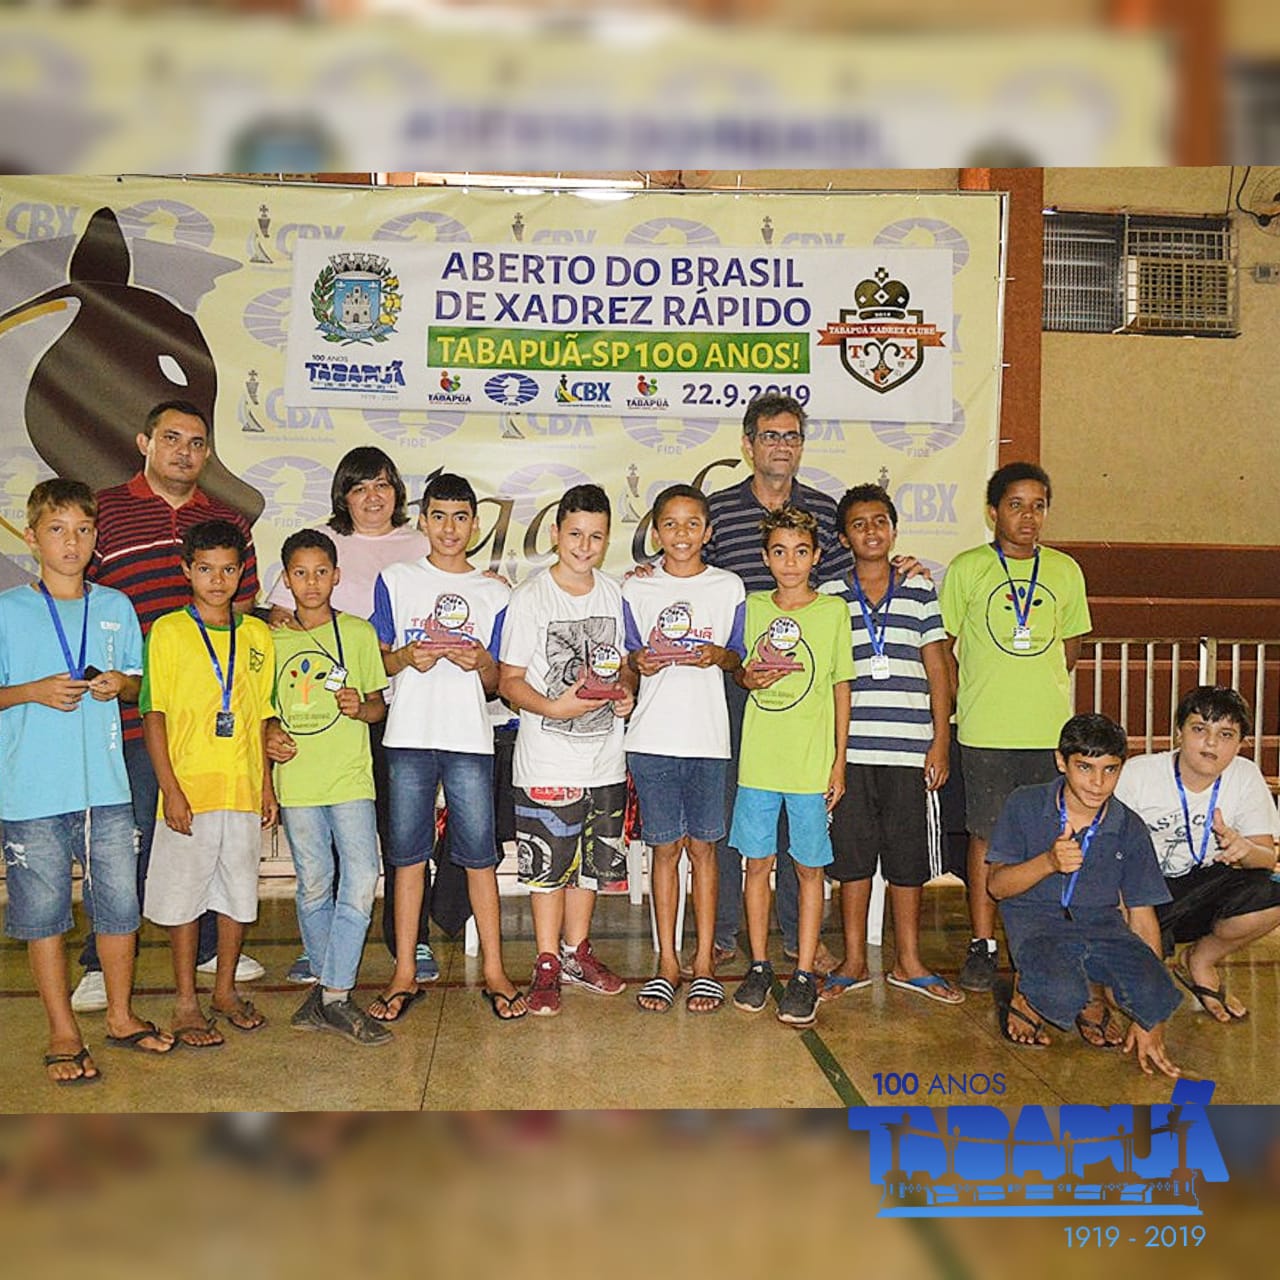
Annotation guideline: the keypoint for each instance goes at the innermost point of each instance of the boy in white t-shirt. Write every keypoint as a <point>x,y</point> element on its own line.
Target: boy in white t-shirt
<point>683,628</point>
<point>563,670</point>
<point>1214,826</point>
<point>440,621</point>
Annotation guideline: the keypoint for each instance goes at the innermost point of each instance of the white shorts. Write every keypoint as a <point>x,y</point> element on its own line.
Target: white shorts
<point>215,868</point>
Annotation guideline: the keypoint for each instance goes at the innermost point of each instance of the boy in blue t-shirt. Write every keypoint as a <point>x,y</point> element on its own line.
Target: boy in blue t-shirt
<point>1064,858</point>
<point>60,639</point>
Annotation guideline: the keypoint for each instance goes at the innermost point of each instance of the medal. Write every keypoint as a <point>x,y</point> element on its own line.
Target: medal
<point>879,663</point>
<point>224,721</point>
<point>1021,610</point>
<point>1068,890</point>
<point>75,670</point>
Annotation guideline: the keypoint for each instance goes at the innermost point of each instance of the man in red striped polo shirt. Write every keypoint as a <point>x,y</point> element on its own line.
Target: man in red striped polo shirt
<point>139,552</point>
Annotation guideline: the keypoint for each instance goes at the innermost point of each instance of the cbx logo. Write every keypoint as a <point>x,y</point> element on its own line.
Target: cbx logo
<point>581,392</point>
<point>927,503</point>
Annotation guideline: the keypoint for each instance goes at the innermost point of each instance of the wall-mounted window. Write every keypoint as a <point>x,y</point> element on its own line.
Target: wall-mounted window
<point>1129,273</point>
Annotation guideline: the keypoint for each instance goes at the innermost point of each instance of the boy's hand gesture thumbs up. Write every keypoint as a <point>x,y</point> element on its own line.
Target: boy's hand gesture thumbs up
<point>1065,855</point>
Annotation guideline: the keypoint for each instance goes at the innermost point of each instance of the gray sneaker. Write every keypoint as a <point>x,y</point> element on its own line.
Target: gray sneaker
<point>308,1016</point>
<point>978,973</point>
<point>753,990</point>
<point>349,1020</point>
<point>799,1004</point>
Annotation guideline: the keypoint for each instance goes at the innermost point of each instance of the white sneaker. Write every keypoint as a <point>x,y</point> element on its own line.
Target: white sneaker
<point>247,969</point>
<point>90,995</point>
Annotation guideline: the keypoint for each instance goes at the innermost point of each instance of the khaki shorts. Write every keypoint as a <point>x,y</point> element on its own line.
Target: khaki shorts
<point>215,868</point>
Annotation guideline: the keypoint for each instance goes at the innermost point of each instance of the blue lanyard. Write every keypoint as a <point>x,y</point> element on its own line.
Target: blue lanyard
<point>1086,840</point>
<point>337,637</point>
<point>1197,858</point>
<point>1023,612</point>
<point>877,641</point>
<point>223,685</point>
<point>74,669</point>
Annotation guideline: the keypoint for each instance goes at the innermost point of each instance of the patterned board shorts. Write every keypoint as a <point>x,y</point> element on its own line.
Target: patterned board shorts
<point>571,837</point>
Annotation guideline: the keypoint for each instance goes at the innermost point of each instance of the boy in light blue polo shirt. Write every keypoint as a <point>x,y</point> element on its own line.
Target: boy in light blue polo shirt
<point>65,793</point>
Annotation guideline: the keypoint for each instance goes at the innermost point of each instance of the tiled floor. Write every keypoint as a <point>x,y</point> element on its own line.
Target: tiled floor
<point>449,1052</point>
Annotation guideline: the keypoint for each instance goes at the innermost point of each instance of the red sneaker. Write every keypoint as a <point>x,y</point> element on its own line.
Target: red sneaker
<point>583,968</point>
<point>543,997</point>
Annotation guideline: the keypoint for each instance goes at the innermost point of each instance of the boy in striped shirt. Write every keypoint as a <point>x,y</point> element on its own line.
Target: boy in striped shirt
<point>897,753</point>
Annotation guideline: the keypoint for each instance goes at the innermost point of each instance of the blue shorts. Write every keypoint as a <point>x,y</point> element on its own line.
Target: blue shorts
<point>414,774</point>
<point>679,797</point>
<point>38,853</point>
<point>755,825</point>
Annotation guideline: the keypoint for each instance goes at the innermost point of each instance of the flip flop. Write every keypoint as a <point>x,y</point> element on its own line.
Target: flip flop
<point>135,1040</point>
<point>657,989</point>
<point>929,985</point>
<point>407,1000</point>
<point>50,1059</point>
<point>1036,1026</point>
<point>1207,993</point>
<point>493,997</point>
<point>209,1025</point>
<point>244,1010</point>
<point>835,985</point>
<point>705,989</point>
<point>1100,1026</point>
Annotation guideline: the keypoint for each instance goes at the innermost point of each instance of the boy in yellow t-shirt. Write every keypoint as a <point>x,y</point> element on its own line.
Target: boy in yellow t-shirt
<point>206,697</point>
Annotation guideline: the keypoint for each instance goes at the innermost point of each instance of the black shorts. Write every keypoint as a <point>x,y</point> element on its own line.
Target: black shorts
<point>571,837</point>
<point>1208,894</point>
<point>992,775</point>
<point>882,817</point>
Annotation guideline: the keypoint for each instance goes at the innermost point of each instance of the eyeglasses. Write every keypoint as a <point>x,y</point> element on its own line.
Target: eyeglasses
<point>780,437</point>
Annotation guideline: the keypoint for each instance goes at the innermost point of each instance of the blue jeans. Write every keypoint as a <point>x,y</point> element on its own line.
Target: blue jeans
<point>729,860</point>
<point>467,776</point>
<point>1056,964</point>
<point>38,853</point>
<point>333,933</point>
<point>146,796</point>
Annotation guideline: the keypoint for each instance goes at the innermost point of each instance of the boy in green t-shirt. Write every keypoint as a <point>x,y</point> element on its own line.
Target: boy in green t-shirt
<point>329,682</point>
<point>1015,612</point>
<point>799,665</point>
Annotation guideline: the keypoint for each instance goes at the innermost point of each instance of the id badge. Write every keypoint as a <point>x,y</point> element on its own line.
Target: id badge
<point>336,678</point>
<point>224,724</point>
<point>880,666</point>
<point>1022,637</point>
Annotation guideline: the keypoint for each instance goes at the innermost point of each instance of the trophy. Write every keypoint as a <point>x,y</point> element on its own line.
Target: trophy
<point>604,664</point>
<point>670,641</point>
<point>444,629</point>
<point>774,648</point>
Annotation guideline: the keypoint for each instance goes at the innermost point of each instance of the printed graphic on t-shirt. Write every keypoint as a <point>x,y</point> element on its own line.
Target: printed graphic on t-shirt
<point>256,658</point>
<point>1041,629</point>
<point>781,646</point>
<point>574,646</point>
<point>305,706</point>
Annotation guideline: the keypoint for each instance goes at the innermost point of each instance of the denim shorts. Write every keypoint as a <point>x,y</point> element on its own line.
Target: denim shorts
<point>679,797</point>
<point>38,853</point>
<point>414,774</point>
<point>755,825</point>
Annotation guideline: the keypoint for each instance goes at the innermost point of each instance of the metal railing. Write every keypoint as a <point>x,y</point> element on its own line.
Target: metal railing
<point>1139,683</point>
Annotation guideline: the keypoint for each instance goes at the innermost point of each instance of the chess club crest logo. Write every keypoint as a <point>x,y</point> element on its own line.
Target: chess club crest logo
<point>882,340</point>
<point>356,298</point>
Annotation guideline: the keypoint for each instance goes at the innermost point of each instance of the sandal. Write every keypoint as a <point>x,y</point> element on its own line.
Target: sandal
<point>209,1027</point>
<point>835,985</point>
<point>149,1032</point>
<point>1202,994</point>
<point>657,989</point>
<point>1005,1009</point>
<point>932,986</point>
<point>407,1000</point>
<point>705,989</point>
<point>80,1058</point>
<point>493,997</point>
<point>244,1017</point>
<point>1098,1026</point>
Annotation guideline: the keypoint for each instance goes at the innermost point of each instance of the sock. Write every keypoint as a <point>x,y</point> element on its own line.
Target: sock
<point>990,942</point>
<point>333,997</point>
